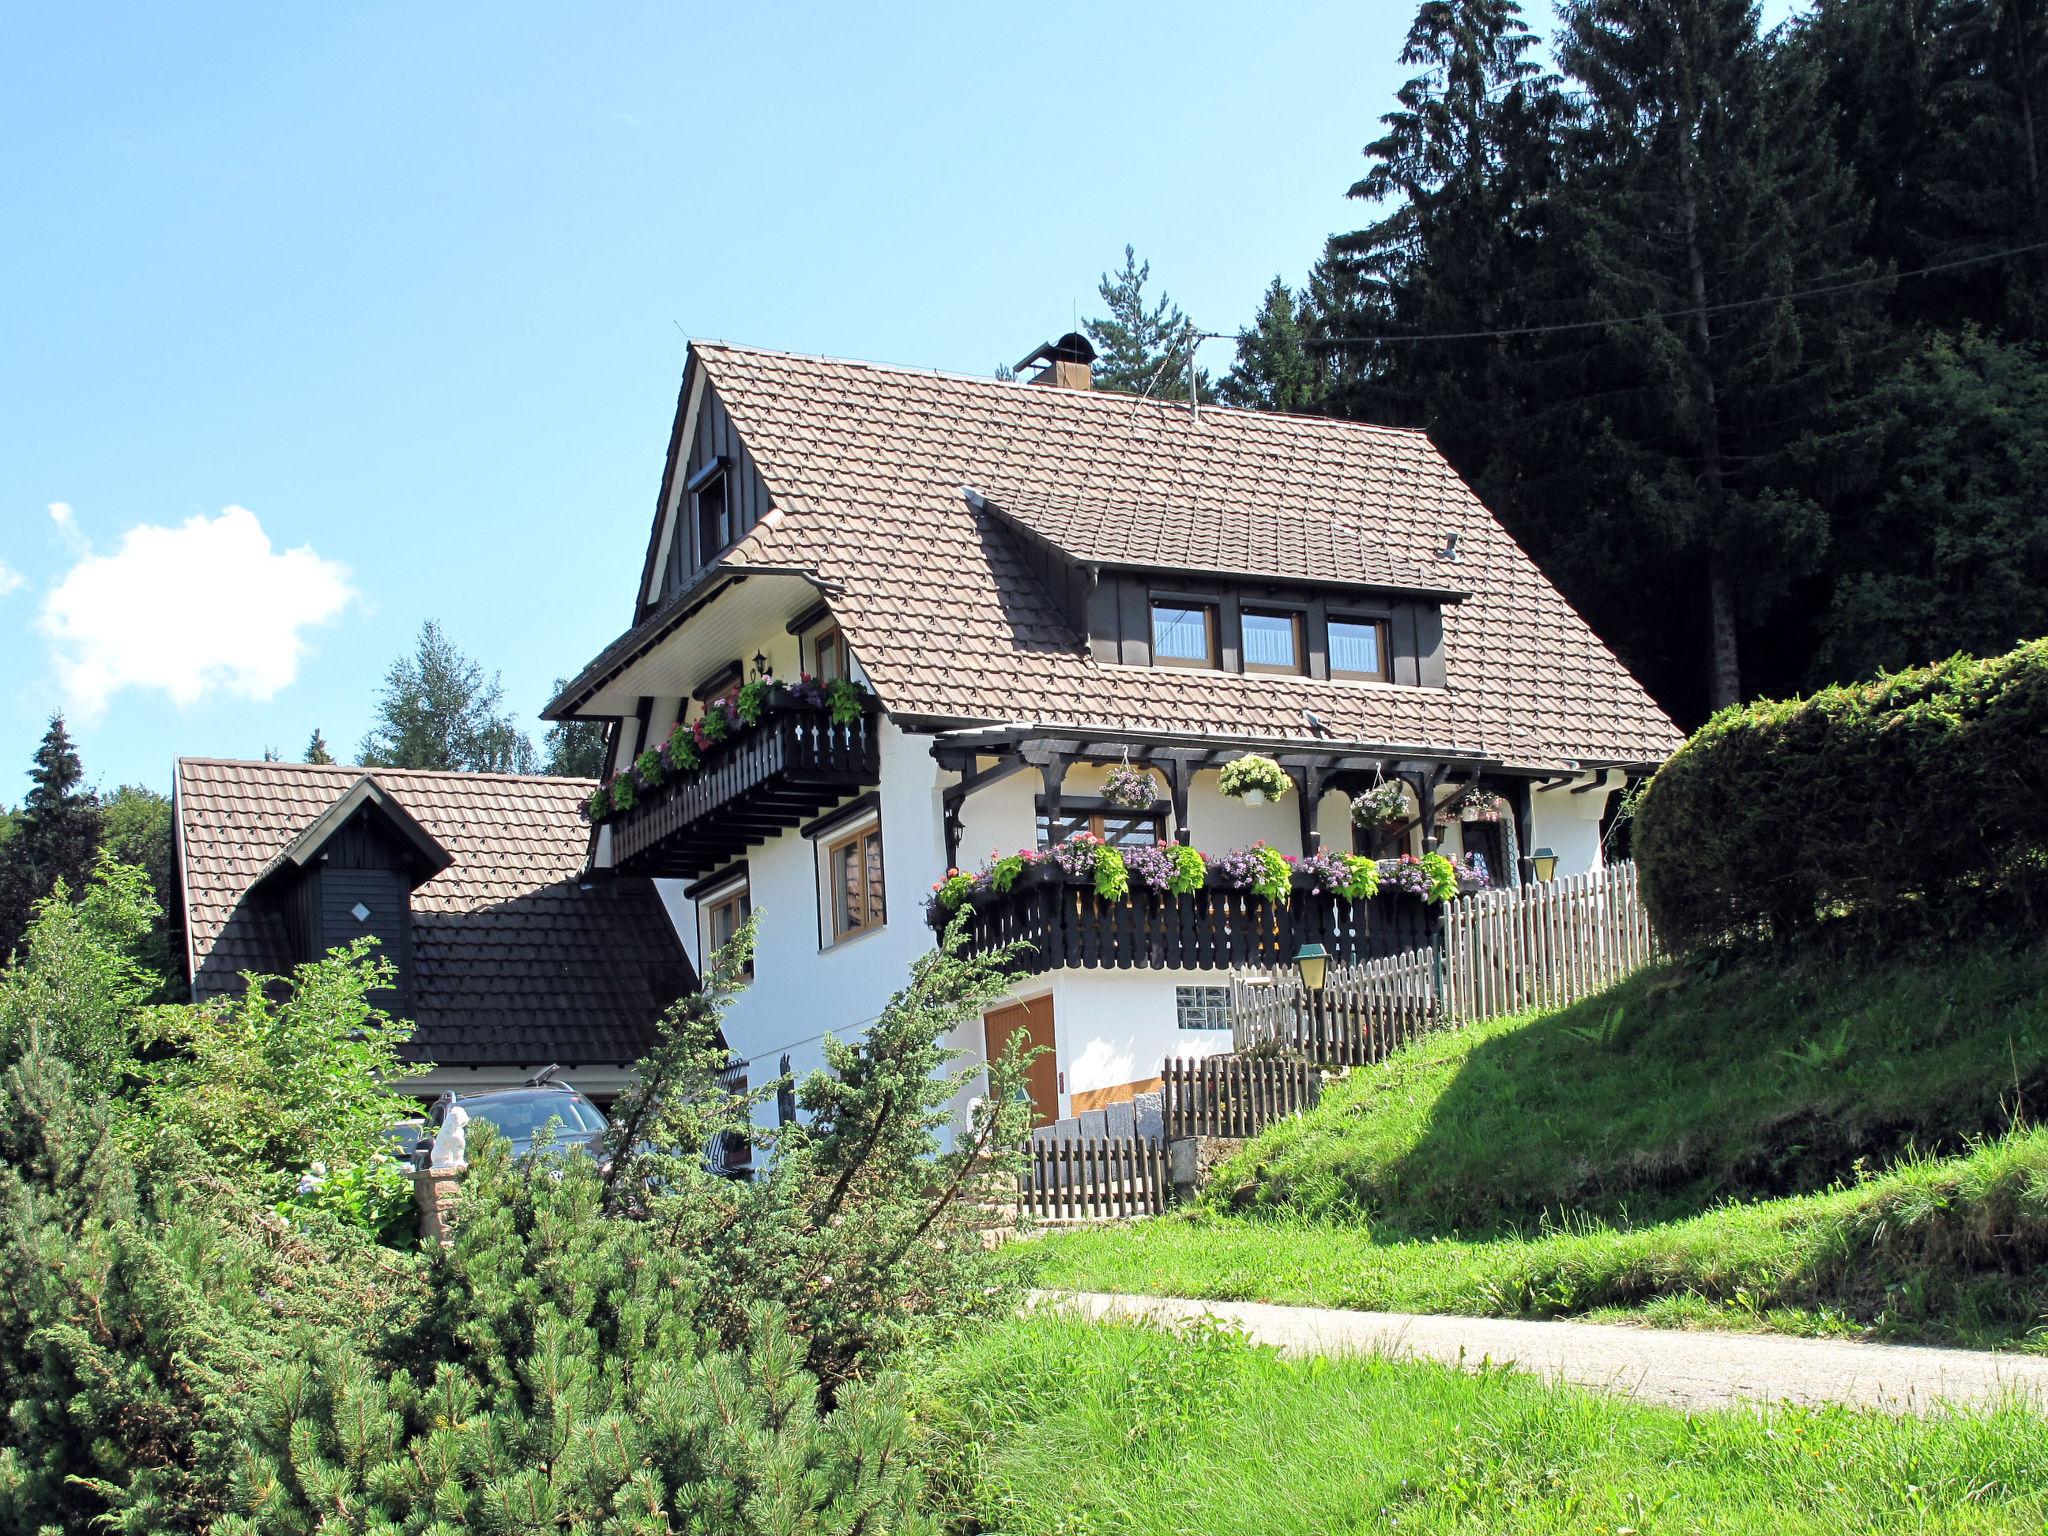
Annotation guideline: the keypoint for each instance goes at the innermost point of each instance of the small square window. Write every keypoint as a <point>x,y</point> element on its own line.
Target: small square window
<point>359,912</point>
<point>1184,634</point>
<point>1202,1007</point>
<point>1272,642</point>
<point>1358,649</point>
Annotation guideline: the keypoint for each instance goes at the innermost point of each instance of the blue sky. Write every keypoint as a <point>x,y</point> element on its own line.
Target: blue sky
<point>408,286</point>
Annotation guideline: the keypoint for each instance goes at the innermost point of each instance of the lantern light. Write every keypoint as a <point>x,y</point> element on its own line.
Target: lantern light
<point>1545,862</point>
<point>1313,962</point>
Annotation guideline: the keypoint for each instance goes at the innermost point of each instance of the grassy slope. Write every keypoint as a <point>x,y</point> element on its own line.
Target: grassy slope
<point>1612,1156</point>
<point>1667,1095</point>
<point>1951,1250</point>
<point>1048,1424</point>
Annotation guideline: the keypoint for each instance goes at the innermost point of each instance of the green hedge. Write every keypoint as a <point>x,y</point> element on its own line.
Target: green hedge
<point>1886,802</point>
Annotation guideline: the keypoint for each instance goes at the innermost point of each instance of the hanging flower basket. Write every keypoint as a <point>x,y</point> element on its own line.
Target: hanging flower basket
<point>1253,779</point>
<point>1384,805</point>
<point>1130,789</point>
<point>1473,805</point>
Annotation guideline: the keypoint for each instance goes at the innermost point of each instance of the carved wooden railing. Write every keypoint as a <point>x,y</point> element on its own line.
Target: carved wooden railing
<point>1065,923</point>
<point>794,763</point>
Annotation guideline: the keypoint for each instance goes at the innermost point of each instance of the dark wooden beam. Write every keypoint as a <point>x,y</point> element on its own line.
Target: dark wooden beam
<point>1179,775</point>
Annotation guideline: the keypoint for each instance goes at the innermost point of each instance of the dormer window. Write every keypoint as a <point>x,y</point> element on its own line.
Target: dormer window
<point>1184,633</point>
<point>1273,642</point>
<point>1358,649</point>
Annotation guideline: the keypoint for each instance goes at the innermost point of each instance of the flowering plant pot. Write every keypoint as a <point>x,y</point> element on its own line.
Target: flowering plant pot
<point>1383,806</point>
<point>1130,789</point>
<point>1253,779</point>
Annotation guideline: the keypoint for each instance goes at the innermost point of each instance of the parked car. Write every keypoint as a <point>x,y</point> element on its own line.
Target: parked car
<point>518,1114</point>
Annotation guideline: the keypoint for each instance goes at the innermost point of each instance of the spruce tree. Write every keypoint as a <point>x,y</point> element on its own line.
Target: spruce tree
<point>1141,348</point>
<point>56,833</point>
<point>1701,185</point>
<point>316,749</point>
<point>438,709</point>
<point>1275,368</point>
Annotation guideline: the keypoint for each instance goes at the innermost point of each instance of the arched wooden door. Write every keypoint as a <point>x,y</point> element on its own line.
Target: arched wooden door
<point>1042,1077</point>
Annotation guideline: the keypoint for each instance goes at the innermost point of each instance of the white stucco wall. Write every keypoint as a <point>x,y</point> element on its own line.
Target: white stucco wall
<point>1569,824</point>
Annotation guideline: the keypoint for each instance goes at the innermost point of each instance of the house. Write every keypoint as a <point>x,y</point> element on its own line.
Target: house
<point>510,954</point>
<point>889,621</point>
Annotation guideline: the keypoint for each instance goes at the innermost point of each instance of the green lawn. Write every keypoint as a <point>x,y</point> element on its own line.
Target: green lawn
<point>1668,1095</point>
<point>1050,1424</point>
<point>1952,1250</point>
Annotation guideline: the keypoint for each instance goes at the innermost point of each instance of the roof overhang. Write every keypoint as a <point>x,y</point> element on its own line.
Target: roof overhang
<point>430,858</point>
<point>731,605</point>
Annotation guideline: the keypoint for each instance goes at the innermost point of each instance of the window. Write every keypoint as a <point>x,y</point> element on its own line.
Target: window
<point>1202,1007</point>
<point>1126,829</point>
<point>722,911</point>
<point>1183,634</point>
<point>853,883</point>
<point>1358,649</point>
<point>714,520</point>
<point>830,660</point>
<point>1272,642</point>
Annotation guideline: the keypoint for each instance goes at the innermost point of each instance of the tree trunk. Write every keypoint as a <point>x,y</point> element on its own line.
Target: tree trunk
<point>1724,668</point>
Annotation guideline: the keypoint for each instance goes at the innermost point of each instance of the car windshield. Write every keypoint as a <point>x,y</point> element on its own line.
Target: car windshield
<point>519,1116</point>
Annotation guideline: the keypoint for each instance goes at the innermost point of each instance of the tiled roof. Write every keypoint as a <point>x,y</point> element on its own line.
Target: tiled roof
<point>867,466</point>
<point>516,962</point>
<point>1242,540</point>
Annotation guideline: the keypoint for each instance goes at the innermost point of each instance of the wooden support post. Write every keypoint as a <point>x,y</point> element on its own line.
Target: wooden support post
<point>1522,801</point>
<point>1178,775</point>
<point>1052,772</point>
<point>1426,786</point>
<point>1308,784</point>
<point>954,800</point>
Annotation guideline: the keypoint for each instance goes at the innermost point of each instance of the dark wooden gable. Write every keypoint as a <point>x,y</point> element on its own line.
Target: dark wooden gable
<point>715,462</point>
<point>350,875</point>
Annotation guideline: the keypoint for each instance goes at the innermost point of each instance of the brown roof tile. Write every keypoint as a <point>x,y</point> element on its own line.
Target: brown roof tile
<point>516,961</point>
<point>868,463</point>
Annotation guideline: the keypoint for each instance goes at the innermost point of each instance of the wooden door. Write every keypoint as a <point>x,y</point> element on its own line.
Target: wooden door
<point>1042,1077</point>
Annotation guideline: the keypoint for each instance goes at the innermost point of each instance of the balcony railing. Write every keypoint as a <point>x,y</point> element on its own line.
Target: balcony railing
<point>794,764</point>
<point>1066,924</point>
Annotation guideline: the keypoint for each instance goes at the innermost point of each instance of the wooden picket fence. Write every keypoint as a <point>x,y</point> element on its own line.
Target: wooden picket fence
<point>1540,946</point>
<point>1363,1011</point>
<point>1094,1178</point>
<point>1496,952</point>
<point>1234,1095</point>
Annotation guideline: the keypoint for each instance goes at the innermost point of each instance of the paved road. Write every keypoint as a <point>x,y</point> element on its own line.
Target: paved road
<point>1684,1369</point>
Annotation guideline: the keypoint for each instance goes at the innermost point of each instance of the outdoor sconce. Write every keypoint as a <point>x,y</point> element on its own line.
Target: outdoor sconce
<point>1313,961</point>
<point>1545,863</point>
<point>760,665</point>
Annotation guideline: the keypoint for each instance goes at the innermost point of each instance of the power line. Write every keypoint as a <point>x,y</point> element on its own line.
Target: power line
<point>1687,313</point>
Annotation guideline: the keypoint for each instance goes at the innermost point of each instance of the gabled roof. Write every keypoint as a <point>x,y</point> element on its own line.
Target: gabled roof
<point>517,958</point>
<point>866,466</point>
<point>429,857</point>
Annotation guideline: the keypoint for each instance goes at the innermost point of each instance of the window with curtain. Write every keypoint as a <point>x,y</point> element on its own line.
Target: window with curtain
<point>1358,649</point>
<point>1184,634</point>
<point>1272,642</point>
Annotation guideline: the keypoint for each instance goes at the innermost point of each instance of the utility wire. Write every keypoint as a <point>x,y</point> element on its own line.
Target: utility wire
<point>1687,313</point>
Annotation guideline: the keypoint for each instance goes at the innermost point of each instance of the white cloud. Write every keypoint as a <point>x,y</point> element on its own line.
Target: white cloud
<point>67,525</point>
<point>206,607</point>
<point>11,580</point>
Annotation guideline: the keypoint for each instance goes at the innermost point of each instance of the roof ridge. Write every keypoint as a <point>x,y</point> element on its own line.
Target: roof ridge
<point>1113,396</point>
<point>366,770</point>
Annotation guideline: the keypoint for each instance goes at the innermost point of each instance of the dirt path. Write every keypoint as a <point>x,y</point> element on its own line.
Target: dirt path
<point>1683,1369</point>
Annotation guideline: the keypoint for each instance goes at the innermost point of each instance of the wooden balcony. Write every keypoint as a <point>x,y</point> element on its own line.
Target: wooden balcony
<point>1066,924</point>
<point>794,764</point>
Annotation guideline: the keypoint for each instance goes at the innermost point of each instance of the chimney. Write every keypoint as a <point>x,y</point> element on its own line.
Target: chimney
<point>1066,363</point>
